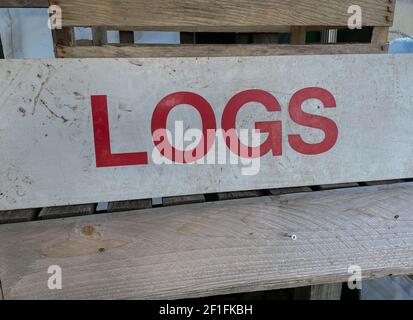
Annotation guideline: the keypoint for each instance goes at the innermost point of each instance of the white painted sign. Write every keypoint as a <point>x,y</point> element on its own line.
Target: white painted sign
<point>91,130</point>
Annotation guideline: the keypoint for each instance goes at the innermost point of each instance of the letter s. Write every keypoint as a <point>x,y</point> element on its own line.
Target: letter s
<point>300,117</point>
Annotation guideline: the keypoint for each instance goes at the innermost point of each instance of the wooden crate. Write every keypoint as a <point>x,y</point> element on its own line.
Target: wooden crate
<point>248,227</point>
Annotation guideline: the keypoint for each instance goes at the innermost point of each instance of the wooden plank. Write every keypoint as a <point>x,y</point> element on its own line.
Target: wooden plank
<point>380,182</point>
<point>338,186</point>
<point>298,35</point>
<point>117,206</point>
<point>99,36</point>
<point>200,50</point>
<point>63,37</point>
<point>67,211</point>
<point>239,194</point>
<point>57,95</point>
<point>201,249</point>
<point>380,36</point>
<point>227,15</point>
<point>331,291</point>
<point>172,201</point>
<point>12,216</point>
<point>24,3</point>
<point>276,192</point>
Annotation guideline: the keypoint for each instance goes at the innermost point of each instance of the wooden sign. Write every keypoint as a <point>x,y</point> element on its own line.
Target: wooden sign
<point>91,130</point>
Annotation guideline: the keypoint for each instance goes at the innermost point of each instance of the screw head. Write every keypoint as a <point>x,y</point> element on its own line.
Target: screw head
<point>292,236</point>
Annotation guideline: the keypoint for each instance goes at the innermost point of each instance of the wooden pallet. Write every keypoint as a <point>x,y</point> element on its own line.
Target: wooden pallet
<point>255,28</point>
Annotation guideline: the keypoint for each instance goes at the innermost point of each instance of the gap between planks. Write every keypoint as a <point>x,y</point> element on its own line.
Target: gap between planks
<point>1,292</point>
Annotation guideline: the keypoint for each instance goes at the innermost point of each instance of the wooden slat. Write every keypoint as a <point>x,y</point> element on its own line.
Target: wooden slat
<point>276,192</point>
<point>67,211</point>
<point>380,35</point>
<point>24,3</point>
<point>116,206</point>
<point>11,216</point>
<point>63,37</point>
<point>99,36</point>
<point>153,51</point>
<point>172,201</point>
<point>330,291</point>
<point>298,35</point>
<point>214,248</point>
<point>377,183</point>
<point>225,15</point>
<point>338,186</point>
<point>238,194</point>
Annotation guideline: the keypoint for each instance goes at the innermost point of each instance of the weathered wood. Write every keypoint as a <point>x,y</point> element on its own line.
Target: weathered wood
<point>116,206</point>
<point>377,183</point>
<point>298,35</point>
<point>67,211</point>
<point>215,247</point>
<point>11,216</point>
<point>154,51</point>
<point>226,15</point>
<point>338,186</point>
<point>57,94</point>
<point>84,42</point>
<point>63,37</point>
<point>239,194</point>
<point>276,192</point>
<point>99,36</point>
<point>331,291</point>
<point>172,201</point>
<point>24,3</point>
<point>380,35</point>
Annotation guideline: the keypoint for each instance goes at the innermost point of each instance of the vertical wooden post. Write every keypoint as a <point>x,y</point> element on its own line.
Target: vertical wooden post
<point>99,36</point>
<point>63,37</point>
<point>330,291</point>
<point>298,35</point>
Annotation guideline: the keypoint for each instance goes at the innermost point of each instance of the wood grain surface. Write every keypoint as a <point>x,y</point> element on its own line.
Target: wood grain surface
<point>213,248</point>
<point>226,15</point>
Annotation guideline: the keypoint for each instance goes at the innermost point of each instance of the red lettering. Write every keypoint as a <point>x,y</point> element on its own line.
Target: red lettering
<point>103,153</point>
<point>160,116</point>
<point>273,128</point>
<point>300,117</point>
